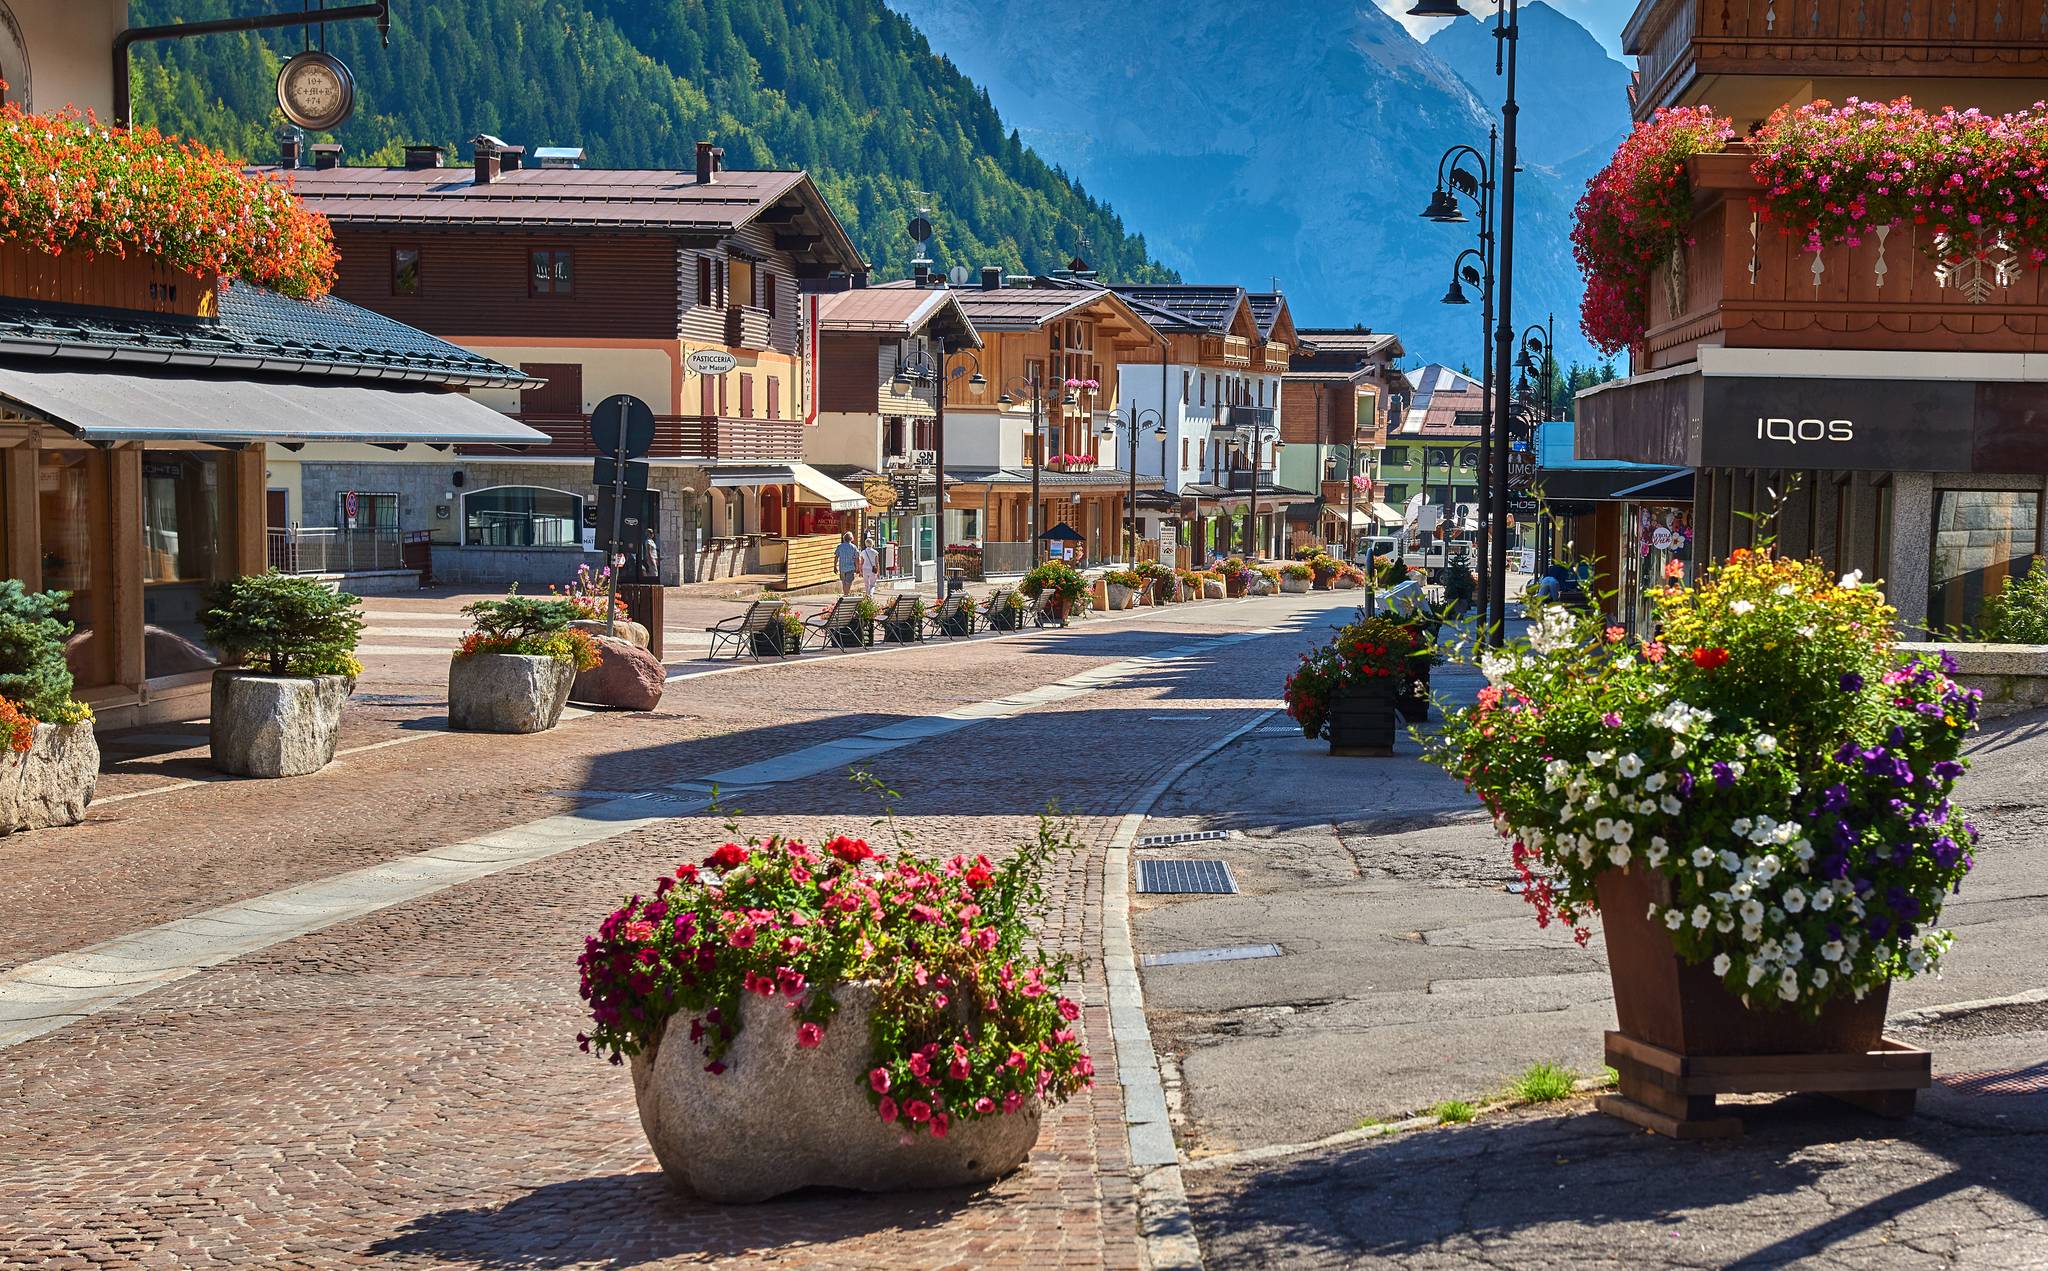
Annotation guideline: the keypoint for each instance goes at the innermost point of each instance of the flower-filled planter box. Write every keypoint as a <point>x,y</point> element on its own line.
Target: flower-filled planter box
<point>1758,804</point>
<point>51,782</point>
<point>516,668</point>
<point>1349,690</point>
<point>1363,718</point>
<point>804,1016</point>
<point>265,725</point>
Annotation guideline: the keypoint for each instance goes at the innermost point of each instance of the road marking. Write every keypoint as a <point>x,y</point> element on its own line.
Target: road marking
<point>42,996</point>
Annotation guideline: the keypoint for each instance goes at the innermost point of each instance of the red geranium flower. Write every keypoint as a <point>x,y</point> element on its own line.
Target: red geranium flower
<point>1709,659</point>
<point>852,851</point>
<point>728,856</point>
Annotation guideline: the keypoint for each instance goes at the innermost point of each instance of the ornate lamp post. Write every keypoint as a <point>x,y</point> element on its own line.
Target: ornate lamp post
<point>1132,423</point>
<point>1506,34</point>
<point>1452,183</point>
<point>923,365</point>
<point>1028,387</point>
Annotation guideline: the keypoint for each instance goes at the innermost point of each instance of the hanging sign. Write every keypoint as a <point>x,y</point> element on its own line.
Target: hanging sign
<point>710,361</point>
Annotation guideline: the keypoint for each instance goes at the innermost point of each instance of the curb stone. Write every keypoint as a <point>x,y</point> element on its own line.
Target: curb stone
<point>1164,1221</point>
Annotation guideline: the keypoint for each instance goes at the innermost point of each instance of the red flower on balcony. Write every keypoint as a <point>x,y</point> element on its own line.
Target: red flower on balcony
<point>69,183</point>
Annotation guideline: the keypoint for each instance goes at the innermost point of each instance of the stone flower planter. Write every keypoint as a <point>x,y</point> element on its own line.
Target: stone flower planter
<point>622,628</point>
<point>1121,597</point>
<point>1345,582</point>
<point>52,782</point>
<point>1214,590</point>
<point>780,1118</point>
<point>507,692</point>
<point>1294,586</point>
<point>266,725</point>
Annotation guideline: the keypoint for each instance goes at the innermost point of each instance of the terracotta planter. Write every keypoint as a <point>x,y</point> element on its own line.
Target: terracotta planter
<point>51,782</point>
<point>275,725</point>
<point>1684,1038</point>
<point>1362,717</point>
<point>780,1118</point>
<point>1234,585</point>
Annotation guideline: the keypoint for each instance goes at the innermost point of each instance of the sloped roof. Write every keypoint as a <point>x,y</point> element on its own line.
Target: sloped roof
<point>1353,341</point>
<point>257,330</point>
<point>898,312</point>
<point>646,199</point>
<point>1212,308</point>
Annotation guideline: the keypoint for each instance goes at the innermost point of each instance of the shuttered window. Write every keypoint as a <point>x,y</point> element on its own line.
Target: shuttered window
<point>704,281</point>
<point>746,397</point>
<point>774,381</point>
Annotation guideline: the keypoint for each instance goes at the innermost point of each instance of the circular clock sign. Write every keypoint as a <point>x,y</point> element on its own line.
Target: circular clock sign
<point>316,91</point>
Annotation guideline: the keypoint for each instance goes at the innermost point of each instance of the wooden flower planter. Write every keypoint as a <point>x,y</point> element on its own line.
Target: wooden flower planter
<point>1685,1039</point>
<point>1362,717</point>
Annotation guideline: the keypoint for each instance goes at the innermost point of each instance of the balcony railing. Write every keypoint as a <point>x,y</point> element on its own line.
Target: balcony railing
<point>747,327</point>
<point>1742,284</point>
<point>1682,44</point>
<point>691,438</point>
<point>1237,349</point>
<point>315,549</point>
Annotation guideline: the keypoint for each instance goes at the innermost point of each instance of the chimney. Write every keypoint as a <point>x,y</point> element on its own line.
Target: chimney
<point>991,278</point>
<point>326,154</point>
<point>923,274</point>
<point>710,158</point>
<point>423,155</point>
<point>511,158</point>
<point>487,148</point>
<point>288,142</point>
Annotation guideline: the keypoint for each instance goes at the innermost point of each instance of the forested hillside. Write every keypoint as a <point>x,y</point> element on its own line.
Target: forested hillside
<point>844,88</point>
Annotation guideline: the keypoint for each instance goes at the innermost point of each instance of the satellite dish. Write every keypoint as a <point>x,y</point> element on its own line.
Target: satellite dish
<point>957,275</point>
<point>920,229</point>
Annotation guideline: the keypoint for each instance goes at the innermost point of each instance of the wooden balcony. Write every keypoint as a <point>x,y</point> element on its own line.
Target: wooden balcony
<point>688,438</point>
<point>1237,350</point>
<point>1682,46</point>
<point>747,327</point>
<point>1743,284</point>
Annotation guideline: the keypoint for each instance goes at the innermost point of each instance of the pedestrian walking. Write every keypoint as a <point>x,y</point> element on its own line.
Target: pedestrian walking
<point>650,560</point>
<point>846,560</point>
<point>870,568</point>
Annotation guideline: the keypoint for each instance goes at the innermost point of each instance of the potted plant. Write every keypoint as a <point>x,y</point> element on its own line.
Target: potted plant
<point>865,611</point>
<point>1323,569</point>
<point>1758,804</point>
<point>1069,588</point>
<point>831,1015</point>
<point>961,623</point>
<point>1295,577</point>
<point>1348,690</point>
<point>1236,576</point>
<point>1265,580</point>
<point>1348,577</point>
<point>591,592</point>
<point>290,643</point>
<point>515,668</point>
<point>784,637</point>
<point>1214,587</point>
<point>52,764</point>
<point>1424,626</point>
<point>1123,585</point>
<point>1158,583</point>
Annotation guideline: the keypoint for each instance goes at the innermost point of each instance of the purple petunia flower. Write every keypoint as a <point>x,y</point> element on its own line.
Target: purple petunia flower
<point>1851,682</point>
<point>1724,776</point>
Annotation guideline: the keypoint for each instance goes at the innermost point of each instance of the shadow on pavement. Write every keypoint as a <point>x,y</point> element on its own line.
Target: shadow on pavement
<point>1809,1177</point>
<point>625,1220</point>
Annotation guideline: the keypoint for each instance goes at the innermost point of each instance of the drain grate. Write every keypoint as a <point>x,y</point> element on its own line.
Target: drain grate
<point>1230,953</point>
<point>2017,1081</point>
<point>1173,840</point>
<point>1182,878</point>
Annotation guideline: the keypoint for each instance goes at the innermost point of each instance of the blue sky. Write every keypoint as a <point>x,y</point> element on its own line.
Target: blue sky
<point>1604,18</point>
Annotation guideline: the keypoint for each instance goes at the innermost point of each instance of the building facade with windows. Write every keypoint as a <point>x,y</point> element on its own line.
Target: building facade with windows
<point>1429,468</point>
<point>683,289</point>
<point>1343,391</point>
<point>1874,403</point>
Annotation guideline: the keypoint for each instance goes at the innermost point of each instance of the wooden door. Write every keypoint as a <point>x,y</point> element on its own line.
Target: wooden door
<point>275,509</point>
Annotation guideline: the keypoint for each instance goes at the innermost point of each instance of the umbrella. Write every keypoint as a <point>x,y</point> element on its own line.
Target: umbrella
<point>1062,533</point>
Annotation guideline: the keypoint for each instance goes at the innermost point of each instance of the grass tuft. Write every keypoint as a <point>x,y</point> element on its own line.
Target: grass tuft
<point>1453,1112</point>
<point>1543,1083</point>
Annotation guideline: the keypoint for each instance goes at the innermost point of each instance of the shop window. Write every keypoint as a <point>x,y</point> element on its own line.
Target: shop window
<point>405,271</point>
<point>181,556</point>
<point>522,516</point>
<point>76,524</point>
<point>1982,538</point>
<point>554,272</point>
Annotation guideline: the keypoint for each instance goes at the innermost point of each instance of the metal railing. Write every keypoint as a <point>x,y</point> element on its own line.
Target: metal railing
<point>327,549</point>
<point>1005,558</point>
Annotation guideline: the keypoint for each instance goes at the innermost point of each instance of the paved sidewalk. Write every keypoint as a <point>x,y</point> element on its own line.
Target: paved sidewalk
<point>401,1088</point>
<point>1408,974</point>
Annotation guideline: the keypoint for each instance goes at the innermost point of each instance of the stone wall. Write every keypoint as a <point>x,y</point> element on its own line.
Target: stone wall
<point>2012,677</point>
<point>533,568</point>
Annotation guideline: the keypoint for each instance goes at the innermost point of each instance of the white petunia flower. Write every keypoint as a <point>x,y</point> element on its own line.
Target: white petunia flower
<point>1752,912</point>
<point>1671,805</point>
<point>1677,749</point>
<point>1702,857</point>
<point>1741,826</point>
<point>1721,964</point>
<point>1795,900</point>
<point>1619,854</point>
<point>1832,951</point>
<point>1740,607</point>
<point>1756,972</point>
<point>1624,831</point>
<point>1673,919</point>
<point>1730,861</point>
<point>1658,850</point>
<point>1854,578</point>
<point>1788,985</point>
<point>1654,782</point>
<point>1701,916</point>
<point>1823,900</point>
<point>1786,589</point>
<point>1628,765</point>
<point>1820,977</point>
<point>1765,743</point>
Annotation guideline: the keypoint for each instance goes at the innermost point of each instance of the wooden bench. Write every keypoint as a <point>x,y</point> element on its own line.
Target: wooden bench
<point>903,621</point>
<point>952,618</point>
<point>739,634</point>
<point>837,626</point>
<point>996,612</point>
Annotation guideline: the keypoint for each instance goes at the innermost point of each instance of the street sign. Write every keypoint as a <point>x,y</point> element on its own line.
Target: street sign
<point>1168,541</point>
<point>349,505</point>
<point>607,476</point>
<point>710,361</point>
<point>920,229</point>
<point>622,426</point>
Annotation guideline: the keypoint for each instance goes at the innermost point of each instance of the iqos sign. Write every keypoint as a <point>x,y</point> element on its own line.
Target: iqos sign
<point>1797,432</point>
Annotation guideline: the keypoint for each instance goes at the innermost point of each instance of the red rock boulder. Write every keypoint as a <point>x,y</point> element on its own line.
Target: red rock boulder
<point>626,676</point>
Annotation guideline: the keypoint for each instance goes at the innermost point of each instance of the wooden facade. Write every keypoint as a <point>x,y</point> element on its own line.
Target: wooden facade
<point>1742,283</point>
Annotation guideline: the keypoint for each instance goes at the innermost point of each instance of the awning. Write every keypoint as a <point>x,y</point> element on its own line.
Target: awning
<point>1386,515</point>
<point>838,497</point>
<point>1674,486</point>
<point>105,405</point>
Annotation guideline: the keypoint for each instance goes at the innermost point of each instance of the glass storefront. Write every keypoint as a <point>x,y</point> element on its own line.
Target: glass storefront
<point>1981,538</point>
<point>522,516</point>
<point>1656,547</point>
<point>72,493</point>
<point>181,557</point>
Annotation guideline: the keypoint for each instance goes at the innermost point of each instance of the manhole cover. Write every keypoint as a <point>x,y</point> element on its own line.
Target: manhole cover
<point>1186,878</point>
<point>2017,1081</point>
<point>1192,836</point>
<point>1232,953</point>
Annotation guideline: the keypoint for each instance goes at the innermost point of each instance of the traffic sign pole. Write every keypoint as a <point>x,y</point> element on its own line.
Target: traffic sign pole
<point>611,598</point>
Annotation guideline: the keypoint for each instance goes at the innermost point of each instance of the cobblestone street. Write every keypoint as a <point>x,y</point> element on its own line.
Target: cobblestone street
<point>397,1083</point>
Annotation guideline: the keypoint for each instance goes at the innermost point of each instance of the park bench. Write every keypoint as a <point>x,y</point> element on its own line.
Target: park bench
<point>951,619</point>
<point>902,622</point>
<point>747,633</point>
<point>838,626</point>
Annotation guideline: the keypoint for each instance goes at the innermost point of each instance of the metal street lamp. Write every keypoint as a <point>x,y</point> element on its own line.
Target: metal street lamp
<point>1506,34</point>
<point>924,366</point>
<point>1453,181</point>
<point>1028,387</point>
<point>1132,424</point>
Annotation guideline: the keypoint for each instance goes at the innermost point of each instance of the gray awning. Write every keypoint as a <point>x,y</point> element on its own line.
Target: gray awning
<point>835,495</point>
<point>105,405</point>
